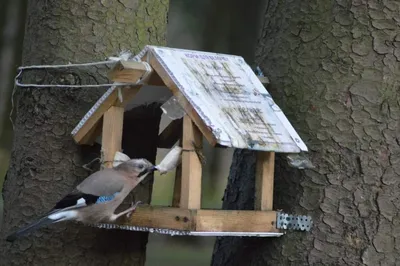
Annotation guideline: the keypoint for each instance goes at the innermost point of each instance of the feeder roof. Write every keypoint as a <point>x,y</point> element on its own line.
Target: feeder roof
<point>223,97</point>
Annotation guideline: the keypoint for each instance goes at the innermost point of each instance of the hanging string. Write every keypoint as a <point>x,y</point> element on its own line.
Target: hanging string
<point>112,60</point>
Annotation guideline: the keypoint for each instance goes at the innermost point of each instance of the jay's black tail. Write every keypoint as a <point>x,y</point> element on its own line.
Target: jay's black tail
<point>33,226</point>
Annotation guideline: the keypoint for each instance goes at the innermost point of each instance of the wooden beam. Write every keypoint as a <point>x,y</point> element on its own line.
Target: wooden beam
<point>191,166</point>
<point>202,220</point>
<point>235,221</point>
<point>111,100</point>
<point>183,101</point>
<point>171,134</point>
<point>264,181</point>
<point>112,134</point>
<point>94,132</point>
<point>161,217</point>
<point>127,71</point>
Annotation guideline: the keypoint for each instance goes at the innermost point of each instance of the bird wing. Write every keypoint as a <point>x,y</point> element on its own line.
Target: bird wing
<point>103,183</point>
<point>100,186</point>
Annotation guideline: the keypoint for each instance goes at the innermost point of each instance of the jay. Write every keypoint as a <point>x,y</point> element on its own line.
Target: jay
<point>97,197</point>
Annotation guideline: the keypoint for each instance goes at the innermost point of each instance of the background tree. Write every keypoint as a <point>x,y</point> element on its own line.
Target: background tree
<point>12,24</point>
<point>46,164</point>
<point>334,70</point>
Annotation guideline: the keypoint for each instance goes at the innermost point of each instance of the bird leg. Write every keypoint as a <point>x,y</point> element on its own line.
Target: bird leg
<point>133,206</point>
<point>128,211</point>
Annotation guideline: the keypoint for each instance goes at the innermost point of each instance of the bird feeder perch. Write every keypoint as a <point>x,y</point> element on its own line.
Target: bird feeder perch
<point>221,99</point>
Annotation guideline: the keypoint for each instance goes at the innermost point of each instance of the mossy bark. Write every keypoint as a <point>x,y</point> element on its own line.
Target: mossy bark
<point>46,164</point>
<point>334,68</point>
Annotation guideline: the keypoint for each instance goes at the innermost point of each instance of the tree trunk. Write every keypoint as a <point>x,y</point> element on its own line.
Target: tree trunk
<point>46,164</point>
<point>12,29</point>
<point>334,71</point>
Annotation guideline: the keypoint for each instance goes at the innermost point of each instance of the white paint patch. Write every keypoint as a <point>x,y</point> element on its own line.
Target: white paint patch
<point>64,215</point>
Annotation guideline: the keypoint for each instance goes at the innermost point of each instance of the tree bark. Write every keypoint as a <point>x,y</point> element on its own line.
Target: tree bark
<point>334,70</point>
<point>46,164</point>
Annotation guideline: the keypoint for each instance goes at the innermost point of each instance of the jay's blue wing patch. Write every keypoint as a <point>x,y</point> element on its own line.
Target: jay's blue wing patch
<point>105,198</point>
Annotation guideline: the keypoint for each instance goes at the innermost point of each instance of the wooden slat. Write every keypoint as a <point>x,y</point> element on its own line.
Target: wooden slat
<point>265,181</point>
<point>170,135</point>
<point>191,166</point>
<point>112,134</point>
<point>183,101</point>
<point>111,100</point>
<point>162,217</point>
<point>127,71</point>
<point>202,220</point>
<point>235,221</point>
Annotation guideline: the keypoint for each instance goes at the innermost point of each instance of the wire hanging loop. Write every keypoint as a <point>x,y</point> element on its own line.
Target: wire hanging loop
<point>22,68</point>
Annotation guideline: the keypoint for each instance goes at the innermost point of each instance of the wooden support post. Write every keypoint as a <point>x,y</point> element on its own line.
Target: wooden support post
<point>191,166</point>
<point>112,134</point>
<point>264,181</point>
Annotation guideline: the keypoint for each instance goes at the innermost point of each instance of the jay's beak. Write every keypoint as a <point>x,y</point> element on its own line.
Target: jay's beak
<point>148,171</point>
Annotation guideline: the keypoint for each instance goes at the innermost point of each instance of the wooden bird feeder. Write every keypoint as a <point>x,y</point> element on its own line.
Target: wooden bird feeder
<point>224,101</point>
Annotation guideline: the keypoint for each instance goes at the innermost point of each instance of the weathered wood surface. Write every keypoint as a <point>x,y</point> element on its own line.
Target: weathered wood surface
<point>224,92</point>
<point>202,220</point>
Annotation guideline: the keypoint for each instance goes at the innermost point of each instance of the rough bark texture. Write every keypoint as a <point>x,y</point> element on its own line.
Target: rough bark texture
<point>334,69</point>
<point>46,164</point>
